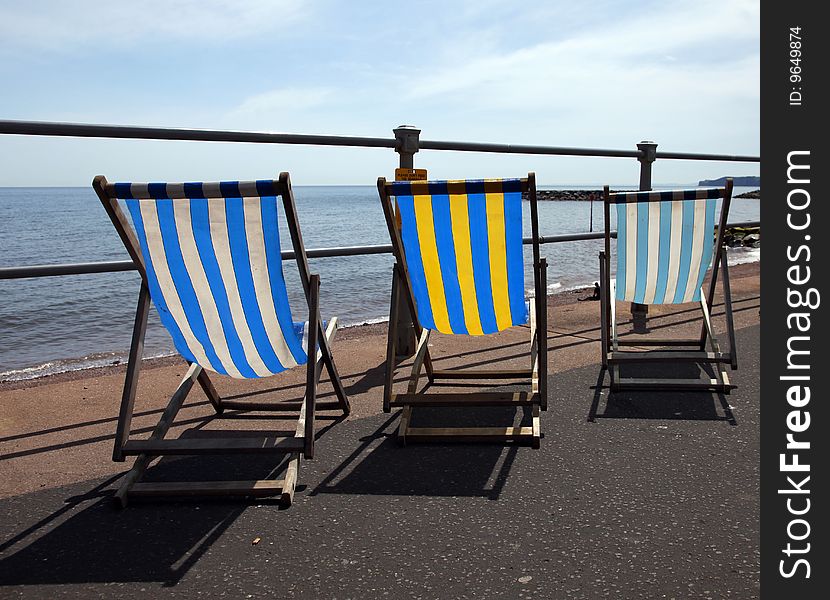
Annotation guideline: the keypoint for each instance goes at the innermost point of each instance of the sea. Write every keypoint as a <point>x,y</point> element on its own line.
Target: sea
<point>56,324</point>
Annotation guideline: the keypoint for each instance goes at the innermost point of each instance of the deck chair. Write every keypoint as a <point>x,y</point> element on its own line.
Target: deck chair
<point>460,271</point>
<point>665,243</point>
<point>209,258</point>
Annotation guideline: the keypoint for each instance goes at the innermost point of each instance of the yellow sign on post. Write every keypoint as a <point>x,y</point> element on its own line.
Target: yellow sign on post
<point>410,174</point>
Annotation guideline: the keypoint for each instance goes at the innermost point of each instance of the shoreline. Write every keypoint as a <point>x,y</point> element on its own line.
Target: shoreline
<point>597,195</point>
<point>344,332</point>
<point>560,298</point>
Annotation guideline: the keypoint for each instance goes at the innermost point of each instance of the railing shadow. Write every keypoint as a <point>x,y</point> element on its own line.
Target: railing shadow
<point>197,423</point>
<point>368,380</point>
<point>591,335</point>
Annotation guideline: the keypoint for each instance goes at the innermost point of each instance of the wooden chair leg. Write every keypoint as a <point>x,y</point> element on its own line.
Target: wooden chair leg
<point>311,375</point>
<point>133,475</point>
<point>727,300</point>
<point>391,337</point>
<point>334,375</point>
<point>537,428</point>
<point>290,481</point>
<point>614,371</point>
<point>291,473</point>
<point>719,259</point>
<point>420,355</point>
<point>720,371</point>
<point>603,310</point>
<point>534,347</point>
<point>406,415</point>
<point>125,414</point>
<point>543,334</point>
<point>160,430</point>
<point>210,391</point>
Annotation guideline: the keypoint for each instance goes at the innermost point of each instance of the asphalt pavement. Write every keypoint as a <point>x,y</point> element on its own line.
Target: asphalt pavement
<point>635,495</point>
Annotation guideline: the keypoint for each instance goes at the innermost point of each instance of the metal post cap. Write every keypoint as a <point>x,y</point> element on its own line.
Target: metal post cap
<point>407,137</point>
<point>649,150</point>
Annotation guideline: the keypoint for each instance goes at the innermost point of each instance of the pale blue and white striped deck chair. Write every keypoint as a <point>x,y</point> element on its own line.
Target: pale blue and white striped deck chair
<point>459,270</point>
<point>210,260</point>
<point>666,243</point>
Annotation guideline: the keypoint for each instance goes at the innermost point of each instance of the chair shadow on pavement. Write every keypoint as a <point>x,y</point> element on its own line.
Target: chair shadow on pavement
<point>378,465</point>
<point>89,540</point>
<point>668,405</point>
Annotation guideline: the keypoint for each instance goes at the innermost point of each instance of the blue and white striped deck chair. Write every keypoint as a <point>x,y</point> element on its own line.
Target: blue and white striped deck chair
<point>460,271</point>
<point>666,243</point>
<point>210,260</point>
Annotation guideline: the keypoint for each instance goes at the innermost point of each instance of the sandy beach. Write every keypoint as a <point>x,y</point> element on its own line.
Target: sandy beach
<point>58,429</point>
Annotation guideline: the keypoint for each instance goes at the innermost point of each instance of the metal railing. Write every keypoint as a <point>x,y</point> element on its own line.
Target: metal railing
<point>116,266</point>
<point>406,142</point>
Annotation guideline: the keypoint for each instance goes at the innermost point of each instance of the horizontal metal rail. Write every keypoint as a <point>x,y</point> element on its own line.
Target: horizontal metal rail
<point>562,151</point>
<point>197,135</point>
<point>46,128</point>
<point>128,265</point>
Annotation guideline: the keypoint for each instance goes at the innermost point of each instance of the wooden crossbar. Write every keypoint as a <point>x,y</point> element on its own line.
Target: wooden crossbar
<point>709,384</point>
<point>257,487</point>
<point>532,433</point>
<point>658,342</point>
<point>676,355</point>
<point>469,433</point>
<point>483,374</point>
<point>460,399</point>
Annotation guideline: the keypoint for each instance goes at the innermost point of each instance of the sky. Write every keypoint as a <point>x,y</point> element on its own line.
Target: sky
<point>595,74</point>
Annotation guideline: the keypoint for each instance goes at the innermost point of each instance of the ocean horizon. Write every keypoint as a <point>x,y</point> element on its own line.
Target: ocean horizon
<point>55,324</point>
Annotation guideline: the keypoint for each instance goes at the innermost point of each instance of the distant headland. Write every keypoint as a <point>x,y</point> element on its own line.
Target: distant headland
<point>753,195</point>
<point>565,195</point>
<point>751,181</point>
<point>571,195</point>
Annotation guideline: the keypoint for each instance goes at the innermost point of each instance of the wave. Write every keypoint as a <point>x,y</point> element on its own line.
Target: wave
<point>360,322</point>
<point>742,255</point>
<point>65,365</point>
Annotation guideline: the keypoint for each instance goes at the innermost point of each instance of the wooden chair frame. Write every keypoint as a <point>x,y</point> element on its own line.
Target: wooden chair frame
<point>684,350</point>
<point>535,396</point>
<point>300,444</point>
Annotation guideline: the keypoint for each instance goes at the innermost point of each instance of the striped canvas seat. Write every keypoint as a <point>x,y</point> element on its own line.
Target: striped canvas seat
<point>463,246</point>
<point>214,270</point>
<point>665,244</point>
<point>210,260</point>
<point>459,269</point>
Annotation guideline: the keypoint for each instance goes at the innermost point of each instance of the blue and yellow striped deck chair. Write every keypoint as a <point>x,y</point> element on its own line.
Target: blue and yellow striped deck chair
<point>666,242</point>
<point>460,271</point>
<point>210,260</point>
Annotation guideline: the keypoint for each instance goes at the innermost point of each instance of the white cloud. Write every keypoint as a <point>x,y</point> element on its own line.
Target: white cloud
<point>281,100</point>
<point>603,73</point>
<point>630,54</point>
<point>60,26</point>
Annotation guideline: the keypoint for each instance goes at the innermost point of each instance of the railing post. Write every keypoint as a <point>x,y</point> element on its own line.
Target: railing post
<point>649,154</point>
<point>648,151</point>
<point>406,145</point>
